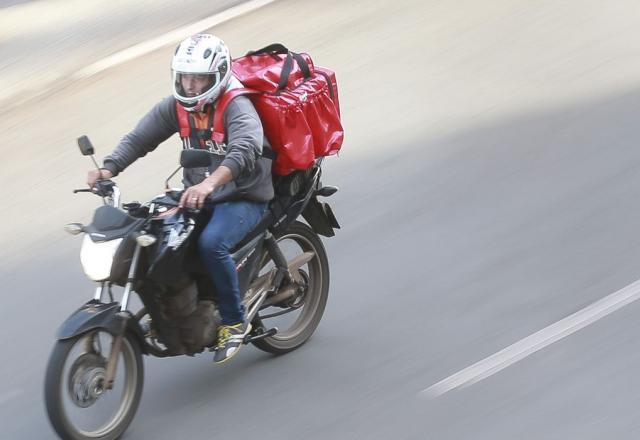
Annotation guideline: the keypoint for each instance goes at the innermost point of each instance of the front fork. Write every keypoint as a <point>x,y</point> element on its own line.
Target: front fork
<point>124,315</point>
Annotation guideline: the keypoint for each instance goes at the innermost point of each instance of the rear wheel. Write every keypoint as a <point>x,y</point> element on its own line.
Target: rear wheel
<point>298,316</point>
<point>78,404</point>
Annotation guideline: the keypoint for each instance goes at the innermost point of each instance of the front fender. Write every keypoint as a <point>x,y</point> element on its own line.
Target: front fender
<point>97,315</point>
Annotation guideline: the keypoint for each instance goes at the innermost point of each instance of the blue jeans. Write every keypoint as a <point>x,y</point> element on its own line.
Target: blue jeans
<point>230,222</point>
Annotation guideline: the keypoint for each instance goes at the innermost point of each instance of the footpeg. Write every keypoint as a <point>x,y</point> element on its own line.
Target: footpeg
<point>260,334</point>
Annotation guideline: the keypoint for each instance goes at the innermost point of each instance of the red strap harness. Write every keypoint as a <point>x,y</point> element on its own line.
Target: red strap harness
<point>217,132</point>
<point>183,120</point>
<point>218,118</point>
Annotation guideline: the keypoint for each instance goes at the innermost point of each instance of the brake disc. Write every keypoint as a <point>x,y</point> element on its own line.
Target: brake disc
<point>86,379</point>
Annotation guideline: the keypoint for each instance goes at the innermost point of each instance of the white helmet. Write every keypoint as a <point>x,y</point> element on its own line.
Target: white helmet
<point>201,54</point>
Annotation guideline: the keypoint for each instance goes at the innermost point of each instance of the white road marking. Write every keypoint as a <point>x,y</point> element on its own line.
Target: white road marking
<point>5,397</point>
<point>537,341</point>
<point>172,37</point>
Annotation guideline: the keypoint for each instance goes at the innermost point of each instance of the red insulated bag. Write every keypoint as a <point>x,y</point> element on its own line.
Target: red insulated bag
<point>297,103</point>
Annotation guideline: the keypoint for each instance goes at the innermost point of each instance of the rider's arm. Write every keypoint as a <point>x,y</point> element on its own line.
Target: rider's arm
<point>219,177</point>
<point>244,137</point>
<point>153,129</point>
<point>244,146</point>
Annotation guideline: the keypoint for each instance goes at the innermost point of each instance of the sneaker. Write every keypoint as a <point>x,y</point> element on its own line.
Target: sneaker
<point>230,339</point>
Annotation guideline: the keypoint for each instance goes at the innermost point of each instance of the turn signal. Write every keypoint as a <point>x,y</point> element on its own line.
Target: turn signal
<point>74,228</point>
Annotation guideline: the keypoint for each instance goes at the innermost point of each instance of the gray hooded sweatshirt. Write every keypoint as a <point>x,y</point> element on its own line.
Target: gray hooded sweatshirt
<point>241,153</point>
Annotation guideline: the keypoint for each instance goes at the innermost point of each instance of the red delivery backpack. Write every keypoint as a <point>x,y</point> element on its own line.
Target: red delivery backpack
<point>297,103</point>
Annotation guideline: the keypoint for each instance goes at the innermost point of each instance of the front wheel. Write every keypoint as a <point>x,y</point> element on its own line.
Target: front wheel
<point>299,316</point>
<point>78,404</point>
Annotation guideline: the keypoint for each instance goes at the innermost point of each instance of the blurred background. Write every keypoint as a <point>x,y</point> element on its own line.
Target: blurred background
<point>489,184</point>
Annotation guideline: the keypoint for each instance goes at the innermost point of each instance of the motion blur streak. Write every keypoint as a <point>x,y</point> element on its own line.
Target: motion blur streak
<point>489,185</point>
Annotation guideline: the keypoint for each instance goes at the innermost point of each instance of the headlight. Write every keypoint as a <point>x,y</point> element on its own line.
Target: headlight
<point>97,258</point>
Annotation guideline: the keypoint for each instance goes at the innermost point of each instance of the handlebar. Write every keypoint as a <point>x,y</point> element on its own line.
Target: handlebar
<point>169,198</point>
<point>108,188</point>
<point>103,188</point>
<point>172,198</point>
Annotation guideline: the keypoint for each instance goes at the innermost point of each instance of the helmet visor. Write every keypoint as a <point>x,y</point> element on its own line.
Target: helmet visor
<point>193,86</point>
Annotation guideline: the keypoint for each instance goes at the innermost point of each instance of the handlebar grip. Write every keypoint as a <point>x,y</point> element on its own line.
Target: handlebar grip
<point>84,190</point>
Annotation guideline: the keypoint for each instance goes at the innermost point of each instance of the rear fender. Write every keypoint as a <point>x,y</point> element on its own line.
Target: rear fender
<point>97,315</point>
<point>320,217</point>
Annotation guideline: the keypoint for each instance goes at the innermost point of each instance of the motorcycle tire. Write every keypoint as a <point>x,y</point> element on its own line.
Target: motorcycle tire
<point>315,298</point>
<point>57,379</point>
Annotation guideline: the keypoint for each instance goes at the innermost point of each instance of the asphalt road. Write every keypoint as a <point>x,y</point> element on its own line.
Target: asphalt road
<point>488,181</point>
<point>44,42</point>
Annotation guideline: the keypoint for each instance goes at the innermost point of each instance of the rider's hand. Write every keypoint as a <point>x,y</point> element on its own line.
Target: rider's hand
<point>94,175</point>
<point>195,196</point>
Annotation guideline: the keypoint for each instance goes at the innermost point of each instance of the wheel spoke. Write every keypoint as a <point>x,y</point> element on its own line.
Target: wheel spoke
<point>77,403</point>
<point>280,313</point>
<point>297,263</point>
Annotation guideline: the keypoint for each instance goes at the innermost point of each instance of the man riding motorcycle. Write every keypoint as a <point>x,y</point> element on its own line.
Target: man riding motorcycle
<point>237,186</point>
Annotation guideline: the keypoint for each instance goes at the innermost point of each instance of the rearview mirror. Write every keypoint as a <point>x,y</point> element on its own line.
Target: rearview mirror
<point>195,158</point>
<point>85,146</point>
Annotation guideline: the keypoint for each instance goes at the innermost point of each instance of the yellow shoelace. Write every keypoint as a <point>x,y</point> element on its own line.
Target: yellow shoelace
<point>224,333</point>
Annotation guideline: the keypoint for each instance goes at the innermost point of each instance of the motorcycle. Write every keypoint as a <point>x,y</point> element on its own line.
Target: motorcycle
<point>94,378</point>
